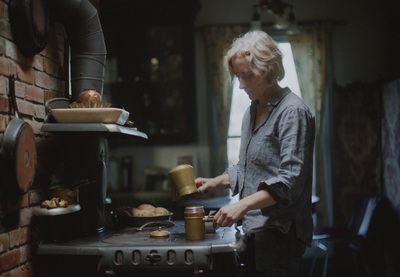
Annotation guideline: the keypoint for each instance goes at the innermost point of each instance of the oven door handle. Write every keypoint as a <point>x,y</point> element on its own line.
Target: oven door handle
<point>153,258</point>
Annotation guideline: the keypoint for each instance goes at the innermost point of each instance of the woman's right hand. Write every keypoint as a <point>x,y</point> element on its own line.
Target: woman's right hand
<point>205,185</point>
<point>208,185</point>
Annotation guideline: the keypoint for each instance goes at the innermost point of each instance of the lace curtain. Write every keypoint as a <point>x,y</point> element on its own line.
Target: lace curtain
<point>310,46</point>
<point>218,40</point>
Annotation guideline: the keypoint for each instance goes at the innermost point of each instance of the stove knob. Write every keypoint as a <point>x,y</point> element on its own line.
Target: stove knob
<point>153,257</point>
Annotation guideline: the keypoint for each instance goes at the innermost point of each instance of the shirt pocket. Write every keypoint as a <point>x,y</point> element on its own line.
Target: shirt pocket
<point>264,150</point>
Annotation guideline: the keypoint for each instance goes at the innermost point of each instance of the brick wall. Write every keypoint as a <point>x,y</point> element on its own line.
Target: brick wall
<point>39,78</point>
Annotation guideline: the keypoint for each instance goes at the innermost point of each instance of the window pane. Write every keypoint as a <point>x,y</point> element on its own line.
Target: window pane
<point>240,102</point>
<point>290,80</point>
<point>233,145</point>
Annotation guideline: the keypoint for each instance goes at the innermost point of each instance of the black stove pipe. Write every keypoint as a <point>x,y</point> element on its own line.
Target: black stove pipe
<point>88,57</point>
<point>88,51</point>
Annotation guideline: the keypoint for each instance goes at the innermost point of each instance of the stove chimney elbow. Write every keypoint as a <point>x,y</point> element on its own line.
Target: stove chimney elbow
<point>85,35</point>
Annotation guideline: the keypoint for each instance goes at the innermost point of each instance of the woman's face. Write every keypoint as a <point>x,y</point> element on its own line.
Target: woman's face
<point>255,86</point>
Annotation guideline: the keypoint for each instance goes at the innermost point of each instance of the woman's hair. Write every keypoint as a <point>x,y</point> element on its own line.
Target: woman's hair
<point>262,54</point>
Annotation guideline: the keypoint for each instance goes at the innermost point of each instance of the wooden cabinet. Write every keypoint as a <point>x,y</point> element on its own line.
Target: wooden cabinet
<point>150,65</point>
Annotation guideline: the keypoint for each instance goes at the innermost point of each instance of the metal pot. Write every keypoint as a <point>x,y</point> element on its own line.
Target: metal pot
<point>18,152</point>
<point>195,222</point>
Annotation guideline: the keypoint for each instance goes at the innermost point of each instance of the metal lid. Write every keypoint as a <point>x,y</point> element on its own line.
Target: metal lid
<point>194,209</point>
<point>159,233</point>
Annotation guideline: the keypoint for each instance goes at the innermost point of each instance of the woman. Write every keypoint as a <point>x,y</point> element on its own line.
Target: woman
<point>274,174</point>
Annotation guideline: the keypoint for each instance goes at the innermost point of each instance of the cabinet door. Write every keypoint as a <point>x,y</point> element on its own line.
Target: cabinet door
<point>150,66</point>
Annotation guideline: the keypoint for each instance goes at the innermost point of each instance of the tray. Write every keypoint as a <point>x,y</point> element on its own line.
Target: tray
<point>38,211</point>
<point>91,115</point>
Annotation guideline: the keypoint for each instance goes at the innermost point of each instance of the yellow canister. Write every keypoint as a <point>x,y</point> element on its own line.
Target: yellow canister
<point>194,224</point>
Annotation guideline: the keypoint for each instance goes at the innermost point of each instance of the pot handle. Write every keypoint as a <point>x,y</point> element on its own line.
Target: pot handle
<point>165,223</point>
<point>11,81</point>
<point>208,219</point>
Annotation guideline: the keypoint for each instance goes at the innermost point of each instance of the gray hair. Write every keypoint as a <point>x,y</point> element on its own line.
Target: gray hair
<point>262,54</point>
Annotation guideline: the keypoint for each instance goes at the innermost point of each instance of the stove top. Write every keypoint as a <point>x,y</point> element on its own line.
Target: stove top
<point>130,250</point>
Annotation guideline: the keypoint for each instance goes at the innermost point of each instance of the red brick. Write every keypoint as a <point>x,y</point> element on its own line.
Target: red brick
<point>56,84</point>
<point>25,217</point>
<point>3,124</point>
<point>20,89</point>
<point>37,62</point>
<point>26,74</point>
<point>1,10</point>
<point>2,46</point>
<point>7,31</point>
<point>22,271</point>
<point>4,242</point>
<point>50,67</point>
<point>51,51</point>
<point>3,85</point>
<point>4,104</point>
<point>42,80</point>
<point>7,67</point>
<point>49,95</point>
<point>25,253</point>
<point>9,260</point>
<point>35,94</point>
<point>40,112</point>
<point>25,107</point>
<point>18,237</point>
<point>13,52</point>
<point>34,197</point>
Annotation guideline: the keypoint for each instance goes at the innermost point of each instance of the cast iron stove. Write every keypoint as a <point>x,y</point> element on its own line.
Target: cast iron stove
<point>128,252</point>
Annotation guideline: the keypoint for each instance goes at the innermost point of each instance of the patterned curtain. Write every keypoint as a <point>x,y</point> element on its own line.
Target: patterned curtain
<point>391,143</point>
<point>218,40</point>
<point>310,46</point>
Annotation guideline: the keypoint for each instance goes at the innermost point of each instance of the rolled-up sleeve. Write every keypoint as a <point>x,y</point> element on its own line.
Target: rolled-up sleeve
<point>295,130</point>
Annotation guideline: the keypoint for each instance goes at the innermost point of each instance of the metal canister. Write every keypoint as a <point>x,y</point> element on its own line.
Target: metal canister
<point>194,224</point>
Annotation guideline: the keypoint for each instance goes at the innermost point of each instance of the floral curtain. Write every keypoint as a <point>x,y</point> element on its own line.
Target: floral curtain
<point>310,46</point>
<point>218,40</point>
<point>391,143</point>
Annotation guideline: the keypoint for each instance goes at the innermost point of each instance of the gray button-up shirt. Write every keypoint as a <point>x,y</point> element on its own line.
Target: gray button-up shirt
<point>277,156</point>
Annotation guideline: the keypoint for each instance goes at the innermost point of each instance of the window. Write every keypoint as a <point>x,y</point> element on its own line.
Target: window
<point>240,102</point>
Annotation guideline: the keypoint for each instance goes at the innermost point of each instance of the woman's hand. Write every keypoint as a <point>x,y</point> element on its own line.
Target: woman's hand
<point>230,214</point>
<point>208,185</point>
<point>205,185</point>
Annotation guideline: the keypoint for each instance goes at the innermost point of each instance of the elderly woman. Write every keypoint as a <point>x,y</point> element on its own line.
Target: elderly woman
<point>274,174</point>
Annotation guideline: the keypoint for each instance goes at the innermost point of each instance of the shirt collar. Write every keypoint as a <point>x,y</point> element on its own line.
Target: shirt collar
<point>277,98</point>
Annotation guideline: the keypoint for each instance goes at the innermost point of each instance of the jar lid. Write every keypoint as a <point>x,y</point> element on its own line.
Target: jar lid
<point>159,233</point>
<point>194,209</point>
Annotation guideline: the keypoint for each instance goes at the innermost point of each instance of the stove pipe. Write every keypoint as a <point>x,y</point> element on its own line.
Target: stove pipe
<point>88,51</point>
